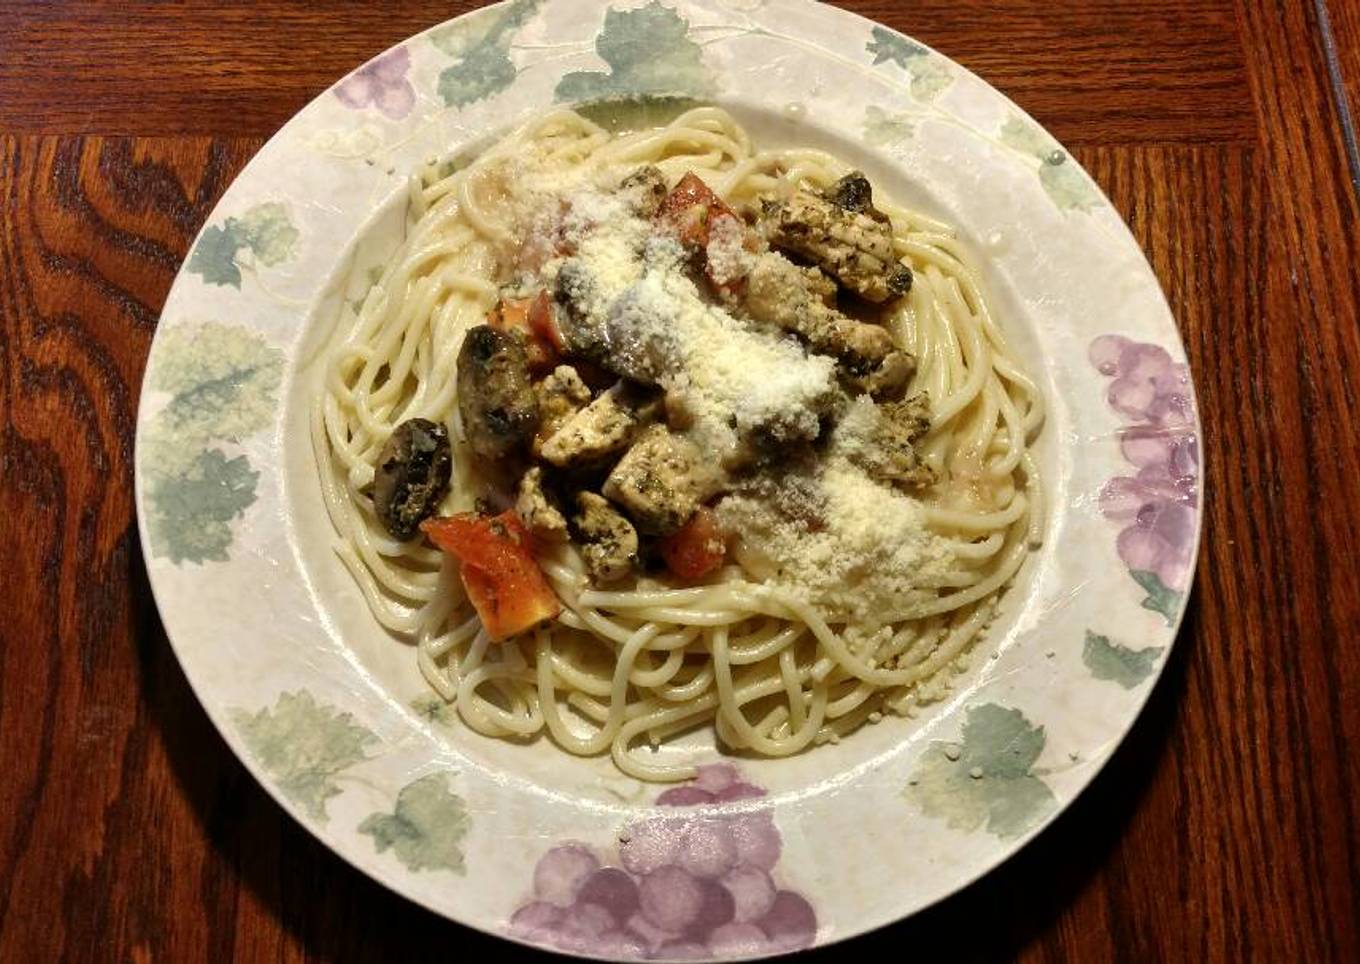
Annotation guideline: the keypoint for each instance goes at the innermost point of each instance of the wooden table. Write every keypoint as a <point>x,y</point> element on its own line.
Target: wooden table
<point>1226,828</point>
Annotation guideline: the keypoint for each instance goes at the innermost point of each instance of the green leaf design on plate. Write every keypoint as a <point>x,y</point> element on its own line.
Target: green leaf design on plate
<point>425,829</point>
<point>1066,185</point>
<point>265,230</point>
<point>887,46</point>
<point>1069,189</point>
<point>648,51</point>
<point>214,257</point>
<point>987,779</point>
<point>622,114</point>
<point>882,129</point>
<point>1160,597</point>
<point>222,380</point>
<point>303,745</point>
<point>1111,661</point>
<point>929,75</point>
<point>435,709</point>
<point>192,511</point>
<point>480,46</point>
<point>1027,138</point>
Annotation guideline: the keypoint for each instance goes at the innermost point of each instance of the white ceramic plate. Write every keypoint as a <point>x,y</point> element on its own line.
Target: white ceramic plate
<point>330,713</point>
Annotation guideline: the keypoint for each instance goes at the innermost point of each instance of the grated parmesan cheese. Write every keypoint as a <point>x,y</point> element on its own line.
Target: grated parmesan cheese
<point>723,377</point>
<point>727,256</point>
<point>874,551</point>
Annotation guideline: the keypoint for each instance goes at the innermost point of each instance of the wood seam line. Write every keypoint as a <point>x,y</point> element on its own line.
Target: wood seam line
<point>1338,86</point>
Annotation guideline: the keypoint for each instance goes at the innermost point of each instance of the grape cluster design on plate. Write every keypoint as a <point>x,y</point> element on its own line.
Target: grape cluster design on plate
<point>693,885</point>
<point>1157,504</point>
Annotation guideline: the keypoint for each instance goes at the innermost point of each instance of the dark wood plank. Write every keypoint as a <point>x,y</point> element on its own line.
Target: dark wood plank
<point>91,232</point>
<point>1313,351</point>
<point>1154,70</point>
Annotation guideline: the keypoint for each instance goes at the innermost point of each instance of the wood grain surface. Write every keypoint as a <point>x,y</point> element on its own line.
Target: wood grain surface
<point>1226,828</point>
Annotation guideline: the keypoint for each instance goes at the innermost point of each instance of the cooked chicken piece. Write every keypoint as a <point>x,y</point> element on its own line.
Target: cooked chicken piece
<point>661,481</point>
<point>603,428</point>
<point>890,378</point>
<point>889,453</point>
<point>781,293</point>
<point>536,511</point>
<point>495,397</point>
<point>609,543</point>
<point>645,189</point>
<point>560,396</point>
<point>850,245</point>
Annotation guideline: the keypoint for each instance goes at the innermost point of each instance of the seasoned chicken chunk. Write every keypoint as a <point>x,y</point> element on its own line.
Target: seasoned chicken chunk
<point>535,509</point>
<point>660,481</point>
<point>560,396</point>
<point>495,398</point>
<point>847,243</point>
<point>609,543</point>
<point>780,292</point>
<point>603,428</point>
<point>890,453</point>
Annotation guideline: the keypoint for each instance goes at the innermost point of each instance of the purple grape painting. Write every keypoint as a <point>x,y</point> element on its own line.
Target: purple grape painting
<point>696,884</point>
<point>1157,503</point>
<point>381,84</point>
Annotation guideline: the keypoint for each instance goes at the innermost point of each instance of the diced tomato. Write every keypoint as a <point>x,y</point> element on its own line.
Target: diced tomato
<point>502,579</point>
<point>525,316</point>
<point>696,549</point>
<point>543,321</point>
<point>690,208</point>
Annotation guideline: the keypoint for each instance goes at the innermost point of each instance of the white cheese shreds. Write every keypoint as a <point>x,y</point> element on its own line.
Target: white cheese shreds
<point>857,430</point>
<point>728,258</point>
<point>723,377</point>
<point>873,551</point>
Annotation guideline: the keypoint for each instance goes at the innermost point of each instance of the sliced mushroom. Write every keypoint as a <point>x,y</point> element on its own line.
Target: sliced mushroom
<point>609,543</point>
<point>855,194</point>
<point>848,244</point>
<point>536,510</point>
<point>495,396</point>
<point>412,476</point>
<point>602,429</point>
<point>661,481</point>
